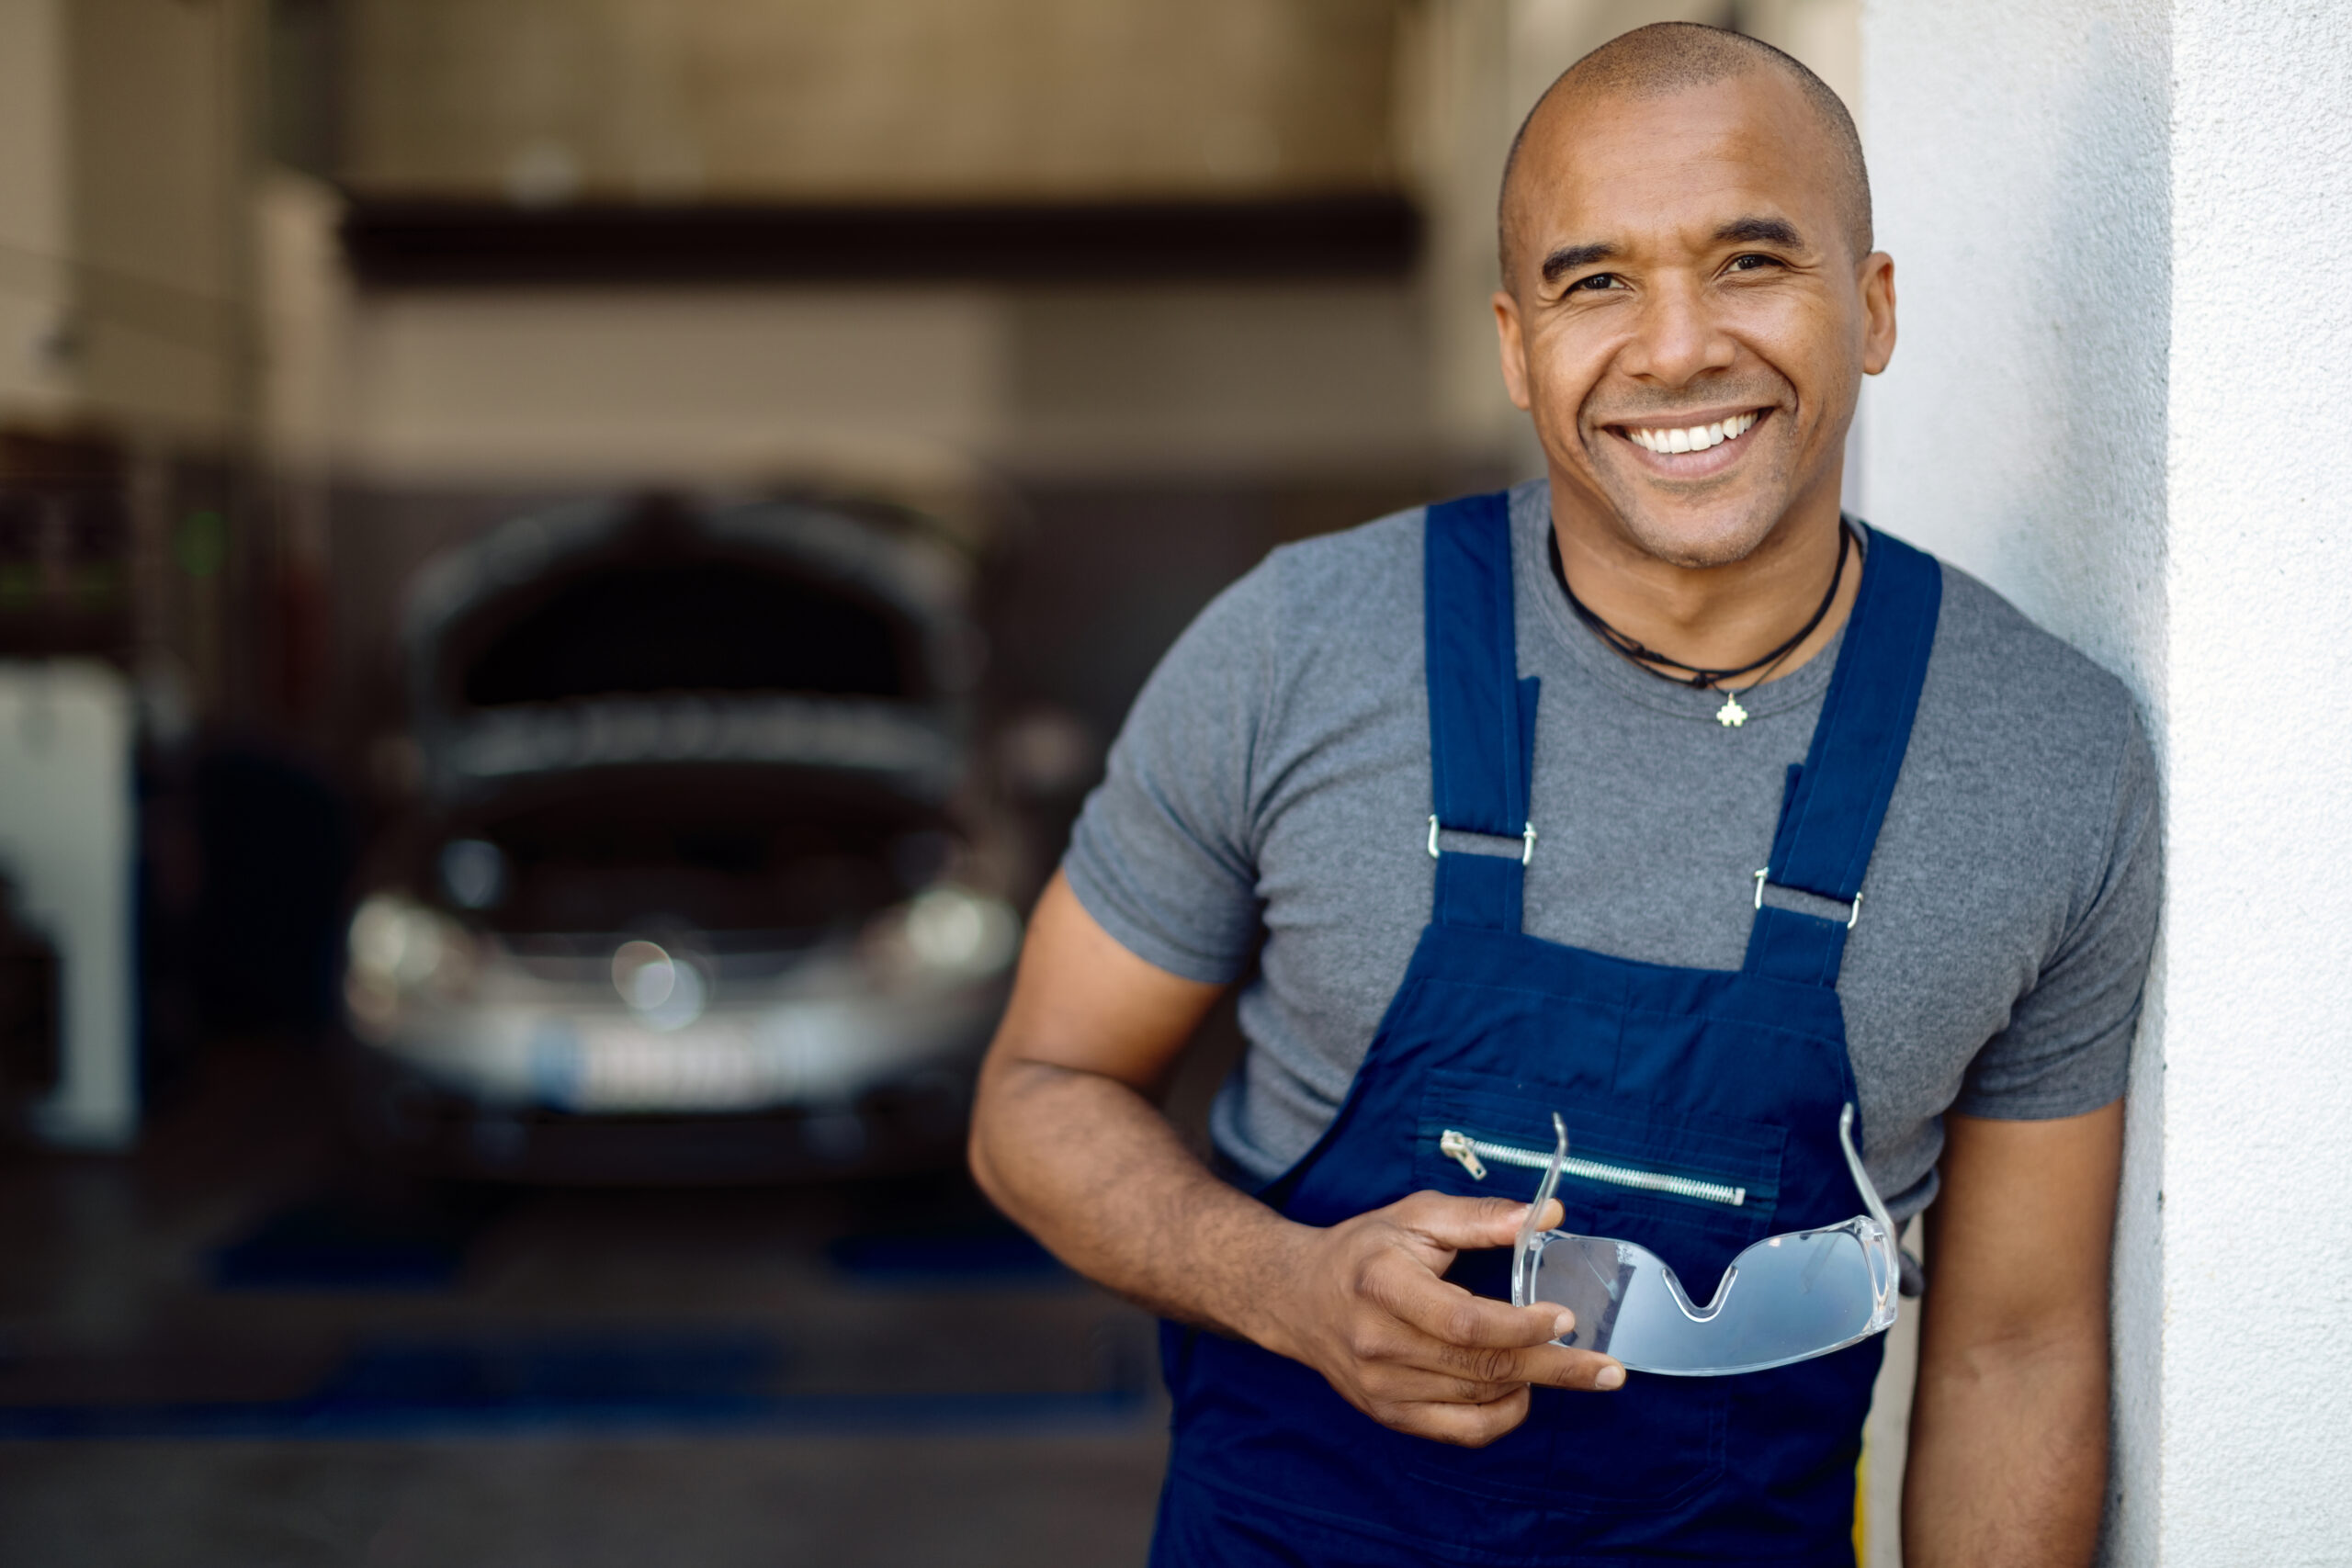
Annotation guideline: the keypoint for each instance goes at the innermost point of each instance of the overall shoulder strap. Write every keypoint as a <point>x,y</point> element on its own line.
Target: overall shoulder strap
<point>1482,717</point>
<point>1835,801</point>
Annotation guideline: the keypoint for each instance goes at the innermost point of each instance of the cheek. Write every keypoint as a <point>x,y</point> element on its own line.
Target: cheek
<point>1817,350</point>
<point>1561,370</point>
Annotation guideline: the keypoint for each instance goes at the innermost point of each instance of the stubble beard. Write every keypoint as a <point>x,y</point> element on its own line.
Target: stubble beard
<point>1708,524</point>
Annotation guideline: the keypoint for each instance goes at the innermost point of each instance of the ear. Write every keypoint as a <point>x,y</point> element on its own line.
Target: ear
<point>1513,345</point>
<point>1877,281</point>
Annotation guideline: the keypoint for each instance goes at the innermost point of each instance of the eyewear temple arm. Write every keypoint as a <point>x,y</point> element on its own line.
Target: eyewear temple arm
<point>1543,1194</point>
<point>1870,1199</point>
<point>1523,1253</point>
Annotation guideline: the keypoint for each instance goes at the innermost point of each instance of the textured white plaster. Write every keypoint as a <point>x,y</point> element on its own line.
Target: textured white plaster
<point>2021,176</point>
<point>2119,250</point>
<point>2019,168</point>
<point>2257,1212</point>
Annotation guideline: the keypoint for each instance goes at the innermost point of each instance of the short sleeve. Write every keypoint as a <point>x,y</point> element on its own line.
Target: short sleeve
<point>1161,856</point>
<point>2067,1047</point>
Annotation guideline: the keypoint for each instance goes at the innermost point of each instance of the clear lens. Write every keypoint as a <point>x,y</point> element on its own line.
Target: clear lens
<point>1787,1298</point>
<point>1782,1300</point>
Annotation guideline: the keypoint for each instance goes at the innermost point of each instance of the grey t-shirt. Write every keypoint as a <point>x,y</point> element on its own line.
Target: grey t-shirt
<point>1269,800</point>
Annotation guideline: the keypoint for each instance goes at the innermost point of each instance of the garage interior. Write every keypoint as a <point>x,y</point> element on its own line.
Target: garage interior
<point>300,301</point>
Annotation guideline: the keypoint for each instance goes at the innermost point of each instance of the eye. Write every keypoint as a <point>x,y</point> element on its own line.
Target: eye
<point>1751,262</point>
<point>1595,284</point>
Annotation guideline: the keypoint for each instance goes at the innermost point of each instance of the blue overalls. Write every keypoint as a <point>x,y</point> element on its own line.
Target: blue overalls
<point>1733,1079</point>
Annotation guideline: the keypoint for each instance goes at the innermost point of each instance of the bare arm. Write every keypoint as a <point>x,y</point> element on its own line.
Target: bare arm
<point>1068,1140</point>
<point>2009,1428</point>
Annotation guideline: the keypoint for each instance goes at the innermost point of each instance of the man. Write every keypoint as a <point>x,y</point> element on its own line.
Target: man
<point>1471,801</point>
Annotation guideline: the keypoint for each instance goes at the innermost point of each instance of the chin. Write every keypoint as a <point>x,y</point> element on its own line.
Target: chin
<point>1718,535</point>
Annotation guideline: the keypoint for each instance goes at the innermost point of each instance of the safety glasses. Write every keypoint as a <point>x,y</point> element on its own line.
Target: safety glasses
<point>1787,1298</point>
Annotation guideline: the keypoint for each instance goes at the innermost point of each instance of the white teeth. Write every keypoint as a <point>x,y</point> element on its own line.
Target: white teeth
<point>1696,438</point>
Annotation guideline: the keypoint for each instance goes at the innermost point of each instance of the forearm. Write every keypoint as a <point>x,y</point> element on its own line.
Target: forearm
<point>2008,1453</point>
<point>1067,1140</point>
<point>1090,1166</point>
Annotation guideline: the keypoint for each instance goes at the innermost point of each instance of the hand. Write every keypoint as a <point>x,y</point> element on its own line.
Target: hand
<point>1364,1303</point>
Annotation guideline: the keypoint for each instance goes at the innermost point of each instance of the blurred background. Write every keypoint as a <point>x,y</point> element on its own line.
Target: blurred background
<point>564,567</point>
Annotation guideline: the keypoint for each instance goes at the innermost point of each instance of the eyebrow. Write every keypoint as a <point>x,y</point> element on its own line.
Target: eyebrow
<point>1739,231</point>
<point>1760,232</point>
<point>1567,258</point>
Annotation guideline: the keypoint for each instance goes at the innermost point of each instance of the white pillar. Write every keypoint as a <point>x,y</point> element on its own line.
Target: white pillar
<point>65,844</point>
<point>2119,239</point>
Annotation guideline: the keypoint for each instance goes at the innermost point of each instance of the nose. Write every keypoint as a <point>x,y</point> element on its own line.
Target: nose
<point>1676,337</point>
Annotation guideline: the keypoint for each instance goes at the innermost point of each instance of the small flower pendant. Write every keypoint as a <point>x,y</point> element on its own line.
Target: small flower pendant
<point>1731,716</point>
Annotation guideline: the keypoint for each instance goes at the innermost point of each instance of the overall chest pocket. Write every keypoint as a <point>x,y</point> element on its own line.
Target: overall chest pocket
<point>1693,1189</point>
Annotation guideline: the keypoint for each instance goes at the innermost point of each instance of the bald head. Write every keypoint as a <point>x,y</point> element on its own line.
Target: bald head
<point>1666,58</point>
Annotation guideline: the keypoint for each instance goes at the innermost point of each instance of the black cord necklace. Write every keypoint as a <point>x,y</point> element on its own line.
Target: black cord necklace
<point>1698,677</point>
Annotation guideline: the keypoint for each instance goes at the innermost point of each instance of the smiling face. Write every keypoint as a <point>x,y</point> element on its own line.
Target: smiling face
<point>1683,316</point>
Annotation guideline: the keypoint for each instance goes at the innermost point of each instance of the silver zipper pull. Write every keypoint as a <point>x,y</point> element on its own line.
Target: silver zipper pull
<point>1457,1145</point>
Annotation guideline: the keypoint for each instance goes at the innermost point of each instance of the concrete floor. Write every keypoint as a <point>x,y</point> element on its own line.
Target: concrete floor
<point>714,1502</point>
<point>704,1377</point>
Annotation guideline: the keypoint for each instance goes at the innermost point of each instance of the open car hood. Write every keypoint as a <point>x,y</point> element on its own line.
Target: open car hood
<point>637,634</point>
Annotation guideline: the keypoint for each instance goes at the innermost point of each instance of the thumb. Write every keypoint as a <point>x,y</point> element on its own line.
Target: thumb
<point>1465,1224</point>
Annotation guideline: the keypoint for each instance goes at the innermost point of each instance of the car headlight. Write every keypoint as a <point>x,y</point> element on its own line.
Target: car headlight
<point>944,933</point>
<point>399,949</point>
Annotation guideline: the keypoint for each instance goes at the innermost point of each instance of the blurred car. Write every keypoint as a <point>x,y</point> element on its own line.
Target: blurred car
<point>698,881</point>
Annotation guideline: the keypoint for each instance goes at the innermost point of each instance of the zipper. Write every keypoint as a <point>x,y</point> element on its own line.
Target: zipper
<point>1473,1153</point>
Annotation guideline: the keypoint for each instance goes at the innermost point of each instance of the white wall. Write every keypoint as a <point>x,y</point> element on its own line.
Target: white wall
<point>703,383</point>
<point>912,99</point>
<point>35,209</point>
<point>123,142</point>
<point>1371,376</point>
<point>2115,240</point>
<point>2021,180</point>
<point>2258,1449</point>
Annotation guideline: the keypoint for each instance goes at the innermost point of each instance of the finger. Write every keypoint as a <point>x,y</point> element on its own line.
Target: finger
<point>1410,1293</point>
<point>1403,1363</point>
<point>1392,1384</point>
<point>1552,1366</point>
<point>1466,1425</point>
<point>1463,1225</point>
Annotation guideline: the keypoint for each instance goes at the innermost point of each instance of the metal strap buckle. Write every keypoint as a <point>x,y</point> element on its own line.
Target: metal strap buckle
<point>1527,842</point>
<point>1851,915</point>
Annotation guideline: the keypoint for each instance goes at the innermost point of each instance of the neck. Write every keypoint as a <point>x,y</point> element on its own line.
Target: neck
<point>1715,616</point>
